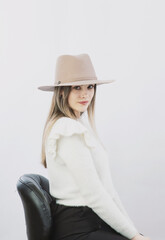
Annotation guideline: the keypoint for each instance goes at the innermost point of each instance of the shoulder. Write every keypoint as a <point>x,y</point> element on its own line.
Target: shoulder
<point>65,127</point>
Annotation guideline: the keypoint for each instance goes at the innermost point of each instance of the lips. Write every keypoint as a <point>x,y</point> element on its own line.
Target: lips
<point>84,102</point>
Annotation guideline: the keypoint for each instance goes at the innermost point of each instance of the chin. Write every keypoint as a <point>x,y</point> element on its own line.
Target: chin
<point>83,109</point>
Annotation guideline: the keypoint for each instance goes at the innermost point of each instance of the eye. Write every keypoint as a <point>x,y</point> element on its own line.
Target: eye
<point>76,87</point>
<point>91,86</point>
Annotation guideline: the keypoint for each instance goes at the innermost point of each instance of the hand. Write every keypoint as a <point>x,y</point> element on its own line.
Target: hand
<point>140,237</point>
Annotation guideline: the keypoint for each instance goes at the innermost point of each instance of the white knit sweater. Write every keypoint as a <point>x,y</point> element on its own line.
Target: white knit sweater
<point>79,174</point>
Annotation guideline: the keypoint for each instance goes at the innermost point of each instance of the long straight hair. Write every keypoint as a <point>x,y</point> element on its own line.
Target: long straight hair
<point>60,108</point>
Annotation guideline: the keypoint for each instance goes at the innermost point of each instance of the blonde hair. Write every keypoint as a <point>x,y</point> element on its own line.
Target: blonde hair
<point>60,108</point>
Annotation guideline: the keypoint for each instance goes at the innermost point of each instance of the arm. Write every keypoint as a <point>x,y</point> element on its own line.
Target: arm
<point>121,207</point>
<point>78,159</point>
<point>116,196</point>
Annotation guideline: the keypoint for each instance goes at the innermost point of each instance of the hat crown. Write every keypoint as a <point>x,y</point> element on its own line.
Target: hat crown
<point>70,68</point>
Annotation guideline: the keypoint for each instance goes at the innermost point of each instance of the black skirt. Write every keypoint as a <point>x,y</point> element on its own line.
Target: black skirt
<point>80,223</point>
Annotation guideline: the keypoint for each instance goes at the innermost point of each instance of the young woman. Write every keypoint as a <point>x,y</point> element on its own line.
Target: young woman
<point>86,205</point>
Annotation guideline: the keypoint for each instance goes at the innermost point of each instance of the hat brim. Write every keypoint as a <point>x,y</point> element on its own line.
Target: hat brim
<point>98,82</point>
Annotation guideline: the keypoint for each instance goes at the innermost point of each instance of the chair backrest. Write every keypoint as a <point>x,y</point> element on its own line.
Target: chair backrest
<point>34,192</point>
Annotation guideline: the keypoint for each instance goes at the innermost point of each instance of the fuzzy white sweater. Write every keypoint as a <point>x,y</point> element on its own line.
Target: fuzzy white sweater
<point>79,173</point>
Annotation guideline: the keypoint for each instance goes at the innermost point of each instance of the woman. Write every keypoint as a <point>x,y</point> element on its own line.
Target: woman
<point>86,205</point>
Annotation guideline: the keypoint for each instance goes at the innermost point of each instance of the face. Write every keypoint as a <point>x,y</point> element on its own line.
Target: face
<point>80,97</point>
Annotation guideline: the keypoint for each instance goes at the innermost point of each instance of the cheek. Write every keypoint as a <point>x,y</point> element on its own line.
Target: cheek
<point>92,94</point>
<point>71,98</point>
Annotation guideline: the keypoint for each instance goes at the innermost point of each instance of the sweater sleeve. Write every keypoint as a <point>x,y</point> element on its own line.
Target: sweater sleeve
<point>77,157</point>
<point>116,197</point>
<point>120,205</point>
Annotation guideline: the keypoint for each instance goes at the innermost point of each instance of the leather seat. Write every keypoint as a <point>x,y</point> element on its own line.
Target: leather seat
<point>34,192</point>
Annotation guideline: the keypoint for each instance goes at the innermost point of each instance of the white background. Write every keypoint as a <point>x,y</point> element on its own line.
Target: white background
<point>125,40</point>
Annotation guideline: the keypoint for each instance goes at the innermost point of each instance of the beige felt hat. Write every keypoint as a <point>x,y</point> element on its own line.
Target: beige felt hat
<point>74,70</point>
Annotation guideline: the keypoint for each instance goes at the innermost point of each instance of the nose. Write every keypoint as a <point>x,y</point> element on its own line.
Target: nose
<point>84,93</point>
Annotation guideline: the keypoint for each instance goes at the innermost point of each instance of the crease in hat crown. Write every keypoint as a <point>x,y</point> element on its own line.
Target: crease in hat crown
<point>74,70</point>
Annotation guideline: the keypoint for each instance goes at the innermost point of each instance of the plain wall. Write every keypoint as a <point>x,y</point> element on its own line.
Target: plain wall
<point>125,40</point>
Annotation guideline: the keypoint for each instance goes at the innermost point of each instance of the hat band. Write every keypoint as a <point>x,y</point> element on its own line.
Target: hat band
<point>71,79</point>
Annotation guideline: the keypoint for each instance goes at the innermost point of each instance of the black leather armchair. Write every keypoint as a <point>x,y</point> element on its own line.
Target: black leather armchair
<point>34,192</point>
